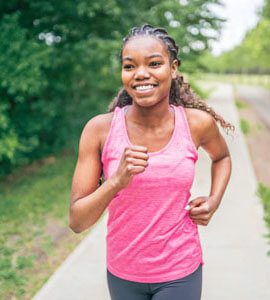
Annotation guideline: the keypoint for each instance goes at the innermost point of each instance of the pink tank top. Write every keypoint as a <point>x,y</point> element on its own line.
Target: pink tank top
<point>150,236</point>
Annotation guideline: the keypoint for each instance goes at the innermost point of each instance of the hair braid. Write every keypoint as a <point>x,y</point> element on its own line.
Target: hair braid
<point>180,92</point>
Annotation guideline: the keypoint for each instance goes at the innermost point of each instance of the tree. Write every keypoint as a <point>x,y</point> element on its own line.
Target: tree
<point>59,63</point>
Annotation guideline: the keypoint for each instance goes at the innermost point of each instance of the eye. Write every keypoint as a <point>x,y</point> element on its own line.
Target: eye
<point>155,63</point>
<point>128,67</point>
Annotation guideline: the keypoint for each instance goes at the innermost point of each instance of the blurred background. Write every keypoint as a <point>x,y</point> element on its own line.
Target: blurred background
<point>59,67</point>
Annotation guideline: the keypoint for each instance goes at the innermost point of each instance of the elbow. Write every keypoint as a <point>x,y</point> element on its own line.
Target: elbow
<point>76,228</point>
<point>74,224</point>
<point>79,221</point>
<point>74,220</point>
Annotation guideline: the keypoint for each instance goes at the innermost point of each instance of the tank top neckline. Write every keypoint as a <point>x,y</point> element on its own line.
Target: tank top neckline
<point>169,142</point>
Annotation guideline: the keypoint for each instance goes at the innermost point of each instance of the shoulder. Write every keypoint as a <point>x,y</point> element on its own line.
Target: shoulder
<point>95,129</point>
<point>198,117</point>
<point>98,122</point>
<point>201,124</point>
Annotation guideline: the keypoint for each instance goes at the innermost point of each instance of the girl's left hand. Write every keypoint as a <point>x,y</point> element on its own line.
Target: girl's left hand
<point>201,209</point>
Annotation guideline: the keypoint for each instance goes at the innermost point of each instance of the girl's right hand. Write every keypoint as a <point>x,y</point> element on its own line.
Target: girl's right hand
<point>134,160</point>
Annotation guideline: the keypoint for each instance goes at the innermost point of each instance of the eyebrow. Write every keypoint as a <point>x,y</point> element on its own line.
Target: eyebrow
<point>147,57</point>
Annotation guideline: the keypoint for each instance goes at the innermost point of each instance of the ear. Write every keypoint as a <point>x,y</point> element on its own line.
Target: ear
<point>174,68</point>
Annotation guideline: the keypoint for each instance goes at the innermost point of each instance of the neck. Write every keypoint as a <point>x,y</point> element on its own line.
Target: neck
<point>149,117</point>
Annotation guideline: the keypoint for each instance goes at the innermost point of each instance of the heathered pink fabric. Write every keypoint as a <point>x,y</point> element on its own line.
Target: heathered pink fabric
<point>150,236</point>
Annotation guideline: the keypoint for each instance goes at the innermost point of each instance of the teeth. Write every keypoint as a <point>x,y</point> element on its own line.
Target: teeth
<point>144,87</point>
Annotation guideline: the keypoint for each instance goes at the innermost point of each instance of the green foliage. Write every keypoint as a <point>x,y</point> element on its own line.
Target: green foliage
<point>24,262</point>
<point>262,80</point>
<point>251,56</point>
<point>245,126</point>
<point>59,64</point>
<point>266,9</point>
<point>240,104</point>
<point>263,192</point>
<point>202,93</point>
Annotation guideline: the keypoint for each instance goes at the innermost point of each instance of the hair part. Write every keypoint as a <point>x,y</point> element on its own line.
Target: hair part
<point>180,91</point>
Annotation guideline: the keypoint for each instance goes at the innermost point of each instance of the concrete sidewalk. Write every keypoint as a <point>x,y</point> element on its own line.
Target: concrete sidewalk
<point>235,250</point>
<point>234,246</point>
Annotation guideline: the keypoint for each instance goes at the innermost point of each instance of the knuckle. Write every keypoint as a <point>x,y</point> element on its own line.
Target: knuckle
<point>129,159</point>
<point>127,152</point>
<point>207,209</point>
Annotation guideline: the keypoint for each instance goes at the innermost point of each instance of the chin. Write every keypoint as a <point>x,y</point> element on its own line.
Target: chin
<point>145,102</point>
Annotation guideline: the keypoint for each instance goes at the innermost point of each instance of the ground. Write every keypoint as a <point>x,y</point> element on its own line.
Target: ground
<point>257,139</point>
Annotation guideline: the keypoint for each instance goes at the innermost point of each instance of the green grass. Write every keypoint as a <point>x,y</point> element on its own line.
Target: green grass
<point>245,126</point>
<point>263,192</point>
<point>28,203</point>
<point>195,82</point>
<point>240,104</point>
<point>250,79</point>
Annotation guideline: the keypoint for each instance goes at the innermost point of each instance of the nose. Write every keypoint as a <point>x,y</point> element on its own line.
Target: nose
<point>141,73</point>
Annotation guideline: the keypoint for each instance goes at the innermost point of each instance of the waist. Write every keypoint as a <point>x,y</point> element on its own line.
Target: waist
<point>153,254</point>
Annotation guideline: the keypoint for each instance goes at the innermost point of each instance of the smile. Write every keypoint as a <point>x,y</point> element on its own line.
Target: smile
<point>145,88</point>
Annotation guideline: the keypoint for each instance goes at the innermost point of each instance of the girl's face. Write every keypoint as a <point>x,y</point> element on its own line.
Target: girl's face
<point>146,70</point>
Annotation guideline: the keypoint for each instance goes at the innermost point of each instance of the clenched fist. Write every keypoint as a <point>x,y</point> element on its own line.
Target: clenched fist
<point>134,160</point>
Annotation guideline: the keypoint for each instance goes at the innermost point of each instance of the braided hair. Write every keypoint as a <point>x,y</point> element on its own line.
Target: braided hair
<point>180,91</point>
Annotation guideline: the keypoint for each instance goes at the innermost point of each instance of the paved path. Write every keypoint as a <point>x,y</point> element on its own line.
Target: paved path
<point>259,98</point>
<point>236,265</point>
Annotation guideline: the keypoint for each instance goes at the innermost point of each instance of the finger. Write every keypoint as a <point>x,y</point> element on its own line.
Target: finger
<point>197,201</point>
<point>200,217</point>
<point>138,148</point>
<point>136,154</point>
<point>195,211</point>
<point>137,162</point>
<point>139,155</point>
<point>200,222</point>
<point>135,169</point>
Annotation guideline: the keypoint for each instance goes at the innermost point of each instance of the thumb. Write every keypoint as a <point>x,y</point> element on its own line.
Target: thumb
<point>195,202</point>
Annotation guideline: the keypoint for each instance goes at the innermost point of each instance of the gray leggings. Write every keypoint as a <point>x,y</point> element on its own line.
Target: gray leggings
<point>186,288</point>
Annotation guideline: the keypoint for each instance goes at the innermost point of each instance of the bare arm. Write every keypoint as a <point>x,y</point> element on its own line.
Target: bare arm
<point>215,145</point>
<point>88,201</point>
<point>211,140</point>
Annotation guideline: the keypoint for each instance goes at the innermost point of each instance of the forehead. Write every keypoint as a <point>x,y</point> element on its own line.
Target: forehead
<point>144,45</point>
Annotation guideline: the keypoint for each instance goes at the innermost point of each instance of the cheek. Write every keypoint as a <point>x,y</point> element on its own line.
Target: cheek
<point>164,74</point>
<point>125,77</point>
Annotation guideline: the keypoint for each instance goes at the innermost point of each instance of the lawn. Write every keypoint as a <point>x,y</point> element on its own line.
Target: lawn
<point>34,233</point>
<point>248,79</point>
